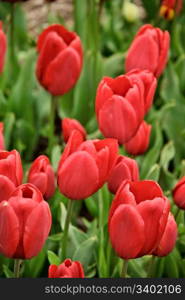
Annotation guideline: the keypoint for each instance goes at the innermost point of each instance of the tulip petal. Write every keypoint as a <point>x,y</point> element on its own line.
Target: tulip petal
<point>104,92</point>
<point>145,190</point>
<point>36,230</point>
<point>63,72</point>
<point>6,188</point>
<point>78,176</point>
<point>40,181</point>
<point>127,231</point>
<point>9,230</point>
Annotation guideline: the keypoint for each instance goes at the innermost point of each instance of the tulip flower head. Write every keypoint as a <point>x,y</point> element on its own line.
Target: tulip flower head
<point>121,103</point>
<point>139,143</point>
<point>3,47</point>
<point>138,218</point>
<point>25,222</point>
<point>68,125</point>
<point>68,269</point>
<point>179,193</point>
<point>11,173</point>
<point>60,59</point>
<point>85,165</point>
<point>41,174</point>
<point>149,50</point>
<point>170,8</point>
<point>125,169</point>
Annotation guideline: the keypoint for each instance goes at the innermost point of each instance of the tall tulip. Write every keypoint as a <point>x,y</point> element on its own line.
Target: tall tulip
<point>125,169</point>
<point>3,47</point>
<point>41,174</point>
<point>149,50</point>
<point>139,143</point>
<point>68,269</point>
<point>11,173</point>
<point>138,218</point>
<point>121,104</point>
<point>85,165</point>
<point>25,222</point>
<point>60,59</point>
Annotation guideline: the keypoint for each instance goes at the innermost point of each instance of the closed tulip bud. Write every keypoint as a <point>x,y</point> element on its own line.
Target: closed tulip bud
<point>169,238</point>
<point>170,8</point>
<point>179,193</point>
<point>85,166</point>
<point>139,143</point>
<point>41,174</point>
<point>11,173</point>
<point>137,218</point>
<point>68,269</point>
<point>3,47</point>
<point>120,106</point>
<point>125,169</point>
<point>2,146</point>
<point>68,125</point>
<point>25,222</point>
<point>60,59</point>
<point>149,50</point>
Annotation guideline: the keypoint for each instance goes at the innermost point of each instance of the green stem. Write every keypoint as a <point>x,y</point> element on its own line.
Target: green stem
<point>66,229</point>
<point>177,213</point>
<point>51,134</point>
<point>17,266</point>
<point>151,267</point>
<point>124,268</point>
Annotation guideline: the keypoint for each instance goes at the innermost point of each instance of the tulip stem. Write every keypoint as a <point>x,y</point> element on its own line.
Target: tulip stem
<point>124,268</point>
<point>51,133</point>
<point>66,229</point>
<point>177,213</point>
<point>17,267</point>
<point>151,267</point>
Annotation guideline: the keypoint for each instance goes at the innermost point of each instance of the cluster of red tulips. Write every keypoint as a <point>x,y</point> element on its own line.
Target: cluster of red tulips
<point>140,222</point>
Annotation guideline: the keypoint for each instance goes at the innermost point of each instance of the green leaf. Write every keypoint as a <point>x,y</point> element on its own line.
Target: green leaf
<point>9,122</point>
<point>8,273</point>
<point>53,258</point>
<point>153,173</point>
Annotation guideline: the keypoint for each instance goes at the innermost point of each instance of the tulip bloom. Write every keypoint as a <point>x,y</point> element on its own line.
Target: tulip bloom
<point>149,50</point>
<point>68,269</point>
<point>169,238</point>
<point>3,47</point>
<point>138,218</point>
<point>125,168</point>
<point>85,166</point>
<point>11,173</point>
<point>170,8</point>
<point>41,174</point>
<point>2,146</point>
<point>68,125</point>
<point>60,59</point>
<point>179,193</point>
<point>25,222</point>
<point>121,104</point>
<point>139,143</point>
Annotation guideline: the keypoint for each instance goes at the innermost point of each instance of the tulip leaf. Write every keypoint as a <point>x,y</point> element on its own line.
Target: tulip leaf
<point>53,258</point>
<point>153,173</point>
<point>8,273</point>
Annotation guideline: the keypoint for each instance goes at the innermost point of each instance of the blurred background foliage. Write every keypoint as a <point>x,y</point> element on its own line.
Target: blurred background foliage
<point>107,29</point>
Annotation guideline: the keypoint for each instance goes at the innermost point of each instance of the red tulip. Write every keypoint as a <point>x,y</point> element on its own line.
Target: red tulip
<point>68,269</point>
<point>2,146</point>
<point>11,173</point>
<point>125,168</point>
<point>25,222</point>
<point>120,106</point>
<point>3,47</point>
<point>139,143</point>
<point>179,193</point>
<point>169,238</point>
<point>68,125</point>
<point>138,218</point>
<point>60,59</point>
<point>41,174</point>
<point>150,83</point>
<point>149,50</point>
<point>85,166</point>
<point>170,8</point>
